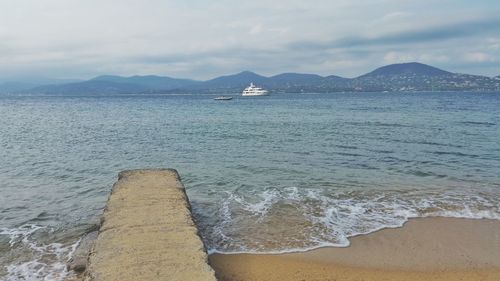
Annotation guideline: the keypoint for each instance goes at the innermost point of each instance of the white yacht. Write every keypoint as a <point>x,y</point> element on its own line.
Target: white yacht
<point>252,90</point>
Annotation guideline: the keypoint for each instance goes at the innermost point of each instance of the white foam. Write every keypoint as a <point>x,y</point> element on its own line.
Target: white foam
<point>337,216</point>
<point>46,262</point>
<point>19,234</point>
<point>261,207</point>
<point>225,214</point>
<point>291,193</point>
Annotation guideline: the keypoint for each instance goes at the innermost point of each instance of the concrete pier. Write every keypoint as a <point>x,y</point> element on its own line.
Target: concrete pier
<point>147,232</point>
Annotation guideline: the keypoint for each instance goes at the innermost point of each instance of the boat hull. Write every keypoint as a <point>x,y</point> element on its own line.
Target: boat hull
<point>254,94</point>
<point>223,98</point>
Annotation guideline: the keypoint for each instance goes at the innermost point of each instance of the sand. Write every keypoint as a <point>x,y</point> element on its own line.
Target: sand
<point>423,249</point>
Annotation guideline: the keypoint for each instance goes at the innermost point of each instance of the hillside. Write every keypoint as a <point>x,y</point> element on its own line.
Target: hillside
<point>152,82</point>
<point>239,80</point>
<point>420,77</point>
<point>394,78</point>
<point>407,69</point>
<point>91,87</point>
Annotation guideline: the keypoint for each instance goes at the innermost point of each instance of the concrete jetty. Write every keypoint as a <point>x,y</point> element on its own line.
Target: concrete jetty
<point>147,232</point>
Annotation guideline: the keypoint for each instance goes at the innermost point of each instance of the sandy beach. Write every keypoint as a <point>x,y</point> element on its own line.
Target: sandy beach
<point>423,249</point>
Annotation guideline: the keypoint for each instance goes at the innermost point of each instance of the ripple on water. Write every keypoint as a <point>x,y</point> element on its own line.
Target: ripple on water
<point>310,169</point>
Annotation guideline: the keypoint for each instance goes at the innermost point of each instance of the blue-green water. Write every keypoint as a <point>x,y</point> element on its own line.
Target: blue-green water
<point>271,174</point>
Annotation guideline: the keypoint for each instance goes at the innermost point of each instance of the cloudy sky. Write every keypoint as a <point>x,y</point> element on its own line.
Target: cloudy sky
<point>206,38</point>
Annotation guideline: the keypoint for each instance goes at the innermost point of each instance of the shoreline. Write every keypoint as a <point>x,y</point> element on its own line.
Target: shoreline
<point>332,245</point>
<point>433,248</point>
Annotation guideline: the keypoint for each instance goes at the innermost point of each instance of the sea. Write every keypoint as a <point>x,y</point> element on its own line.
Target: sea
<point>283,173</point>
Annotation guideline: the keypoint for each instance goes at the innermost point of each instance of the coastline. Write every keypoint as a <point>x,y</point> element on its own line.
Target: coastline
<point>434,248</point>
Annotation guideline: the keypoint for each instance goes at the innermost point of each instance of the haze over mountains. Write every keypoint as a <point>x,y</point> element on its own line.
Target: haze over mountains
<point>396,77</point>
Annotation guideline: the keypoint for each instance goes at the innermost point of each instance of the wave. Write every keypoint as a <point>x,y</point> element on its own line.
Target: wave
<point>477,123</point>
<point>379,124</point>
<point>453,153</point>
<point>33,260</point>
<point>292,219</point>
<point>425,142</point>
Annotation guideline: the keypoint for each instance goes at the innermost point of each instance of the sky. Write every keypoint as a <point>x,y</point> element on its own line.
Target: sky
<point>203,39</point>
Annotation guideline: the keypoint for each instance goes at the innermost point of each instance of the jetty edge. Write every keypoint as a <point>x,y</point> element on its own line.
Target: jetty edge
<point>147,232</point>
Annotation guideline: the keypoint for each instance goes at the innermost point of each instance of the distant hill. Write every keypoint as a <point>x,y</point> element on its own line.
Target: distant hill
<point>91,87</point>
<point>412,68</point>
<point>239,80</point>
<point>8,87</point>
<point>30,83</point>
<point>284,82</point>
<point>420,77</point>
<point>150,81</point>
<point>296,78</point>
<point>394,78</point>
<point>294,82</point>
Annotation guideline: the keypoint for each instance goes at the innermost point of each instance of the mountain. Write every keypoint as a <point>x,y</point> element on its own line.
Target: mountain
<point>22,84</point>
<point>91,87</point>
<point>393,78</point>
<point>150,81</point>
<point>239,80</point>
<point>285,82</point>
<point>296,78</point>
<point>111,84</point>
<point>8,87</point>
<point>407,69</point>
<point>294,82</point>
<point>419,77</point>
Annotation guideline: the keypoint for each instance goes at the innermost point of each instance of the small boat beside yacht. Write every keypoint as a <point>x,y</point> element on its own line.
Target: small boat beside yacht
<point>223,98</point>
<point>252,91</point>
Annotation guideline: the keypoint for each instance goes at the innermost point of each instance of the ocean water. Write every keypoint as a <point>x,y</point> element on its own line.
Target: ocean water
<point>288,172</point>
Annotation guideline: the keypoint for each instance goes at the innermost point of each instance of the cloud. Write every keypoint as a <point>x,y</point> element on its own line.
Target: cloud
<point>479,57</point>
<point>203,39</point>
<point>430,34</point>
